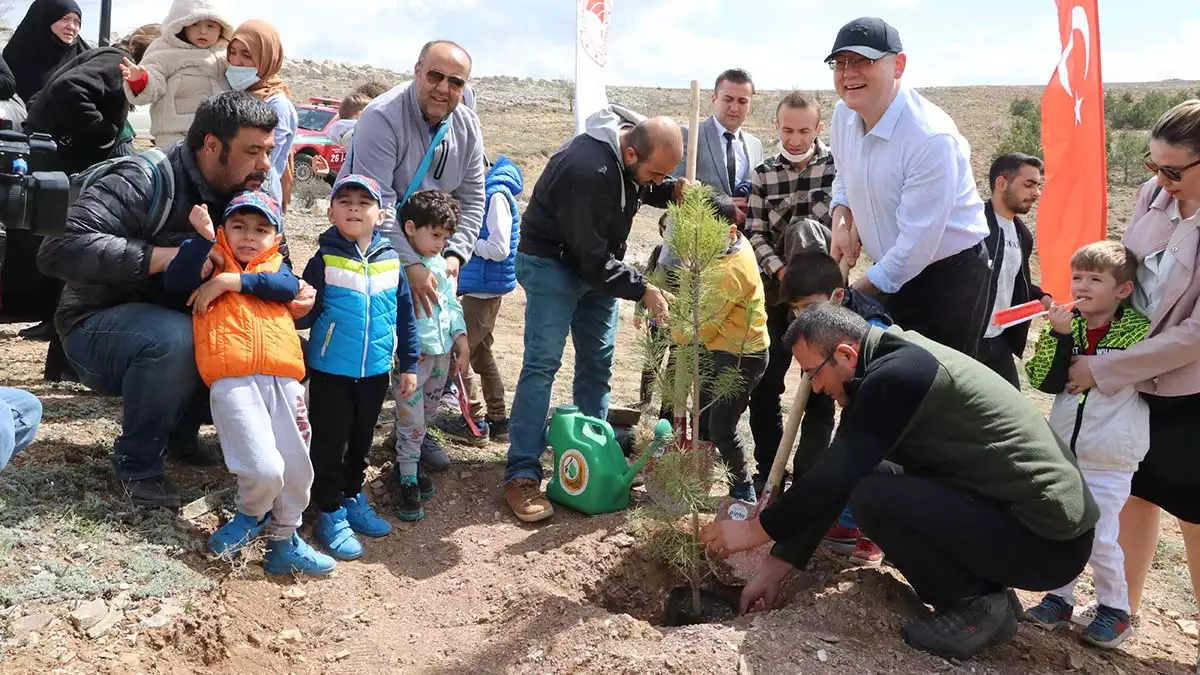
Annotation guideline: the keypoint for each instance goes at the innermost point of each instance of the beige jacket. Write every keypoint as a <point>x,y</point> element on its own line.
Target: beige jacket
<point>1167,363</point>
<point>180,75</point>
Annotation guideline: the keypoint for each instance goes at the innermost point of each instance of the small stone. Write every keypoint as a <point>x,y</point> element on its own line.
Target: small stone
<point>67,657</point>
<point>342,655</point>
<point>124,587</point>
<point>1187,626</point>
<point>292,635</point>
<point>122,600</point>
<point>465,474</point>
<point>1074,662</point>
<point>254,639</point>
<point>822,655</point>
<point>31,623</point>
<point>1171,614</point>
<point>844,586</point>
<point>44,549</point>
<point>105,624</point>
<point>89,614</point>
<point>107,656</point>
<point>294,592</point>
<point>496,515</point>
<point>160,619</point>
<point>389,606</point>
<point>621,540</point>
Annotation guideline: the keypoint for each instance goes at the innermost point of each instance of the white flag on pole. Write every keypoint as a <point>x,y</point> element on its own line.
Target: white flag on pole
<point>591,54</point>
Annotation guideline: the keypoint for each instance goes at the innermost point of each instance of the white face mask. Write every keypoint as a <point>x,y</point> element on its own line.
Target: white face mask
<point>242,78</point>
<point>796,159</point>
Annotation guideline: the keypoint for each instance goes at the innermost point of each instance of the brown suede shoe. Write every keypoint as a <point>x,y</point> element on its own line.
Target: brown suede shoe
<point>528,503</point>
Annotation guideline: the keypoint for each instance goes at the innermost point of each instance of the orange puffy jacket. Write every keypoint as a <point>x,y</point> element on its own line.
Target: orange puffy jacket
<point>245,335</point>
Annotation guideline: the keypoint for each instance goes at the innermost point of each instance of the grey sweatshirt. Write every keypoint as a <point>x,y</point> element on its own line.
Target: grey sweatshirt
<point>389,141</point>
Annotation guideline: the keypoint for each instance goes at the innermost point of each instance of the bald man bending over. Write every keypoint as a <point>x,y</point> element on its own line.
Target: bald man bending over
<point>569,261</point>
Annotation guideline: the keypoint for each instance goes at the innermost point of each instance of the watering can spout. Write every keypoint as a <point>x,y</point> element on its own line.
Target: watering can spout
<point>662,435</point>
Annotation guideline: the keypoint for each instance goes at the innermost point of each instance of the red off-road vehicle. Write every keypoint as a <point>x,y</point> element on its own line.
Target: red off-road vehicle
<point>316,155</point>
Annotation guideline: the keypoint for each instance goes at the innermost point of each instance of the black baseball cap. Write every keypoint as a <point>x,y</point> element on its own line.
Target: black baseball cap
<point>867,36</point>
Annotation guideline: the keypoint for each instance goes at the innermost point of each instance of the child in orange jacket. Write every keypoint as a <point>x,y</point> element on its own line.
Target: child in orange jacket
<point>249,355</point>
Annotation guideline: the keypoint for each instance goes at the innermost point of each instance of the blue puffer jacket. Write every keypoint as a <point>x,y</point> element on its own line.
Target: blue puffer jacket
<point>363,303</point>
<point>480,275</point>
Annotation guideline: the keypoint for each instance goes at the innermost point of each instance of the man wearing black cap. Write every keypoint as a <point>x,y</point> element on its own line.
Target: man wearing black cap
<point>904,179</point>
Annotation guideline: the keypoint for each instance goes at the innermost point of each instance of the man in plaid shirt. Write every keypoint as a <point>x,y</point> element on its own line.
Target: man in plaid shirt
<point>789,211</point>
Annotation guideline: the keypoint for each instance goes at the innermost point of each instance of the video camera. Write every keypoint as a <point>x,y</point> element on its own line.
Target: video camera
<point>37,200</point>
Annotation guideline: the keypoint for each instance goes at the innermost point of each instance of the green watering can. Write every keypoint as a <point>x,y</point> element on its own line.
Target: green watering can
<point>590,472</point>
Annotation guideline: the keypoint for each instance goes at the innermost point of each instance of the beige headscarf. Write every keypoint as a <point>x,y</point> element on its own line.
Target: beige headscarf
<point>266,49</point>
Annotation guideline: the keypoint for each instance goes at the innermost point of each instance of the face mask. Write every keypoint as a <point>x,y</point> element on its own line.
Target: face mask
<point>796,159</point>
<point>242,78</point>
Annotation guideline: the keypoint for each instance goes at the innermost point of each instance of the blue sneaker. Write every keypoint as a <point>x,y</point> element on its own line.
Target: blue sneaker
<point>232,536</point>
<point>456,427</point>
<point>294,556</point>
<point>1109,629</point>
<point>1051,613</point>
<point>333,532</point>
<point>363,519</point>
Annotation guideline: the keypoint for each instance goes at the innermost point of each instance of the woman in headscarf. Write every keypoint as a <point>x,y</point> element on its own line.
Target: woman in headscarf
<point>46,38</point>
<point>83,105</point>
<point>255,57</point>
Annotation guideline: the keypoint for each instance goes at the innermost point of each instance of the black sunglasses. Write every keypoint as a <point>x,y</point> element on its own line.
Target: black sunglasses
<point>435,78</point>
<point>1169,172</point>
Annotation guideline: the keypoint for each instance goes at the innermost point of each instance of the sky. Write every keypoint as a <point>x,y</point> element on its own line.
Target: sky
<point>668,43</point>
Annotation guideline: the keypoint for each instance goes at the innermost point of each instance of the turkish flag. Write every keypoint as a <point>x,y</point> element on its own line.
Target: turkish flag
<point>1074,205</point>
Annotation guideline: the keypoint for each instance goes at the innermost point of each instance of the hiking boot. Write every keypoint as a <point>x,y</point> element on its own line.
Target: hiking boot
<point>294,556</point>
<point>1109,629</point>
<point>528,503</point>
<point>409,507</point>
<point>498,429</point>
<point>1051,613</point>
<point>363,519</point>
<point>866,553</point>
<point>456,427</point>
<point>39,333</point>
<point>965,630</point>
<point>186,447</point>
<point>333,532</point>
<point>239,531</point>
<point>433,456</point>
<point>153,491</point>
<point>744,491</point>
<point>843,539</point>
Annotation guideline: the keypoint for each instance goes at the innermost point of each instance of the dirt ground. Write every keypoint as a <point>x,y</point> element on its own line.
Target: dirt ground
<point>468,589</point>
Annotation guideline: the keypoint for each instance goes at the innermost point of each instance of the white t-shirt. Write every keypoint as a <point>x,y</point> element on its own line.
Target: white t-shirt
<point>1009,260</point>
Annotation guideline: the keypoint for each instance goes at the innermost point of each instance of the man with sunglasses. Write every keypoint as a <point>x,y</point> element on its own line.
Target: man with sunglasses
<point>904,179</point>
<point>390,144</point>
<point>948,468</point>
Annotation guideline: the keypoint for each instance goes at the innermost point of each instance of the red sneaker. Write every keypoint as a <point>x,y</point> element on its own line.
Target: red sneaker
<point>842,539</point>
<point>867,553</point>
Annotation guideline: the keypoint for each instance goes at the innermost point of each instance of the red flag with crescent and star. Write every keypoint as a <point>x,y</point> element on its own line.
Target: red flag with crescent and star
<point>1074,205</point>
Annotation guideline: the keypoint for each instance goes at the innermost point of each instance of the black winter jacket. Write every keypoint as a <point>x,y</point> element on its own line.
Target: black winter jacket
<point>104,256</point>
<point>1024,290</point>
<point>575,216</point>
<point>83,106</point>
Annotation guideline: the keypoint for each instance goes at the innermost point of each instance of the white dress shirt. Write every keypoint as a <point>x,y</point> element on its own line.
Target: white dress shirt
<point>1156,268</point>
<point>909,185</point>
<point>498,244</point>
<point>740,158</point>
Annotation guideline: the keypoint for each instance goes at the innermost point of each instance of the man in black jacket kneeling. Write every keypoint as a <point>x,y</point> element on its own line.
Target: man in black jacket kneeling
<point>122,333</point>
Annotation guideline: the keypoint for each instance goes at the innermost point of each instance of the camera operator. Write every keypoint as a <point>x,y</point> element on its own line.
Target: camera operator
<point>84,109</point>
<point>121,332</point>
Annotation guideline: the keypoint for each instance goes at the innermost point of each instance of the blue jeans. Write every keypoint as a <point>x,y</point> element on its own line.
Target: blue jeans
<point>557,301</point>
<point>145,354</point>
<point>20,415</point>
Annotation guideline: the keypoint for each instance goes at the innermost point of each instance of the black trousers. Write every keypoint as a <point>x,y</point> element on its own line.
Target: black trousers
<point>952,544</point>
<point>343,412</point>
<point>947,302</point>
<point>719,424</point>
<point>766,414</point>
<point>995,353</point>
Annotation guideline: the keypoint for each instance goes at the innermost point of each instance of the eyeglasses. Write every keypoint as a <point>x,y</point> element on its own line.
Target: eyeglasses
<point>812,374</point>
<point>839,65</point>
<point>1171,173</point>
<point>435,77</point>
